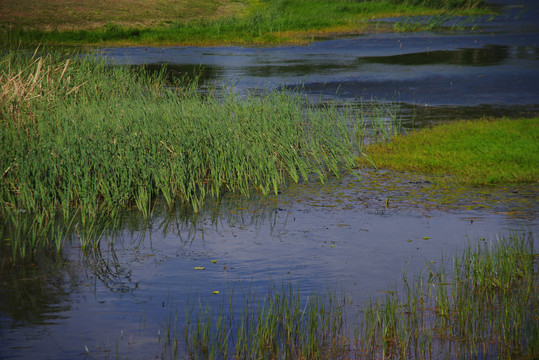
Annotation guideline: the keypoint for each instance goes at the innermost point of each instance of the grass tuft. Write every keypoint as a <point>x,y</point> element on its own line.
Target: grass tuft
<point>485,305</point>
<point>80,138</point>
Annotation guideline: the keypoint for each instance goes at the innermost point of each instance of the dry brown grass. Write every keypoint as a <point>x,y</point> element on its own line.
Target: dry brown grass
<point>92,14</point>
<point>40,80</point>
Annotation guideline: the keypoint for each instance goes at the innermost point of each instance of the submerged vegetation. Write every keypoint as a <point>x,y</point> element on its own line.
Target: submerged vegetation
<point>204,23</point>
<point>480,152</point>
<point>484,305</point>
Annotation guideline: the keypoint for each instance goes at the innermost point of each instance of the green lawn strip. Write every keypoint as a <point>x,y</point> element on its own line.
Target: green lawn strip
<point>480,152</point>
<point>259,22</point>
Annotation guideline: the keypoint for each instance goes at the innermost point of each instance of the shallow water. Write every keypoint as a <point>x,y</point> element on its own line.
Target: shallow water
<point>352,234</point>
<point>489,70</point>
<point>341,235</point>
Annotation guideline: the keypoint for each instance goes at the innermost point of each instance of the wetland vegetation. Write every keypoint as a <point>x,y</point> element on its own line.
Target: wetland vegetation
<point>482,303</point>
<point>479,152</point>
<point>82,138</point>
<point>82,141</point>
<point>209,23</point>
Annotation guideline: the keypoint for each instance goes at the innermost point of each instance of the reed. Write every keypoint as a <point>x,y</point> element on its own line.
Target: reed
<point>81,137</point>
<point>448,4</point>
<point>484,305</point>
<point>279,326</point>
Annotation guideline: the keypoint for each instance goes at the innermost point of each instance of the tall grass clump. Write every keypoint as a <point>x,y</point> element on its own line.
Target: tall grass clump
<point>280,325</point>
<point>80,136</point>
<point>484,305</point>
<point>443,4</point>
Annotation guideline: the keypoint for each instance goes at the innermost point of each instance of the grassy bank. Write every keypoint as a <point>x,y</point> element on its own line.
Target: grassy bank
<point>484,304</point>
<point>480,152</point>
<point>197,22</point>
<point>80,137</point>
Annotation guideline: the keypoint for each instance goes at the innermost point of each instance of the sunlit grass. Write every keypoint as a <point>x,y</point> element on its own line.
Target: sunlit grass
<point>226,22</point>
<point>480,152</point>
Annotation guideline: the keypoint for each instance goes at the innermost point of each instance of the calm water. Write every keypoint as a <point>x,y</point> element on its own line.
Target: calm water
<point>339,235</point>
<point>435,76</point>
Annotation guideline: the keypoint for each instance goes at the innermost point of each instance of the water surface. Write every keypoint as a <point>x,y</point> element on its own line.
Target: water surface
<point>489,70</point>
<point>353,234</point>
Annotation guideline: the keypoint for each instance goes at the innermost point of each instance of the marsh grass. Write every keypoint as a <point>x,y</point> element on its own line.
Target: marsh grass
<point>280,325</point>
<point>252,22</point>
<point>485,304</point>
<point>436,22</point>
<point>84,140</point>
<point>480,152</point>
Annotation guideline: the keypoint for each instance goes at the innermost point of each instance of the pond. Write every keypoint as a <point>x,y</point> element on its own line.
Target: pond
<point>353,234</point>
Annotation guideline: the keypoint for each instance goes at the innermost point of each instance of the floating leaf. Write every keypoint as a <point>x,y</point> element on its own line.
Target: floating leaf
<point>199,268</point>
<point>426,237</point>
<point>215,292</point>
<point>213,261</point>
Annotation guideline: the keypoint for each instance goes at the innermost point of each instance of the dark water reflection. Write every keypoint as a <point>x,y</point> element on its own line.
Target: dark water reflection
<point>119,298</point>
<point>487,56</point>
<point>36,295</point>
<point>341,234</point>
<point>179,74</point>
<point>494,65</point>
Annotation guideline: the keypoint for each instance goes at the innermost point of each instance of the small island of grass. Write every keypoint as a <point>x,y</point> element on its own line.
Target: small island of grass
<point>480,152</point>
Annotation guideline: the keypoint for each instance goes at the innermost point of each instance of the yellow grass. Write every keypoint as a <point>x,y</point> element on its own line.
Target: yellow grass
<point>93,14</point>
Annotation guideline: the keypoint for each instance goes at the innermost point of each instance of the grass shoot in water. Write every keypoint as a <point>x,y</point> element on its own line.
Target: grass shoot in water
<point>81,137</point>
<point>484,306</point>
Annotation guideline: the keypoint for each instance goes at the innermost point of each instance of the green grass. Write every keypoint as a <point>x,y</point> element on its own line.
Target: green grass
<point>79,138</point>
<point>480,152</point>
<point>484,305</point>
<point>279,326</point>
<point>249,22</point>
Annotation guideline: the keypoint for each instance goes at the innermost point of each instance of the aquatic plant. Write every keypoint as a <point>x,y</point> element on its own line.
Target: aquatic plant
<point>446,4</point>
<point>279,326</point>
<point>80,138</point>
<point>484,305</point>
